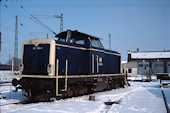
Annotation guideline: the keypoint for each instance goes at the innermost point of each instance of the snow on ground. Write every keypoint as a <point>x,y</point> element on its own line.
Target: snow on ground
<point>10,96</point>
<point>141,78</point>
<point>148,99</point>
<point>5,76</point>
<point>140,97</point>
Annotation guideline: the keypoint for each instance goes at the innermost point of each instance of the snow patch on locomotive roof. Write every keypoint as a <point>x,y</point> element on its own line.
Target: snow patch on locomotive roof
<point>40,41</point>
<point>75,34</point>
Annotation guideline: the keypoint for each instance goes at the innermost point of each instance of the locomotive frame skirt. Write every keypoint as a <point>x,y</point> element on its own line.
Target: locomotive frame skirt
<point>69,77</point>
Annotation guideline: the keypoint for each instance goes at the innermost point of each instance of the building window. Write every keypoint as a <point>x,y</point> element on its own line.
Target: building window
<point>146,65</point>
<point>145,68</point>
<point>140,65</point>
<point>161,65</point>
<point>129,70</point>
<point>156,65</point>
<point>123,70</point>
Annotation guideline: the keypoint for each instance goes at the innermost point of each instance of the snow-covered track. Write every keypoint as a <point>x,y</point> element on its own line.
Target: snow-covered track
<point>4,82</point>
<point>21,102</point>
<point>165,101</point>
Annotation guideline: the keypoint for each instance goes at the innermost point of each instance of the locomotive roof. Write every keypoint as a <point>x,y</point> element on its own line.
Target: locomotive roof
<point>75,34</point>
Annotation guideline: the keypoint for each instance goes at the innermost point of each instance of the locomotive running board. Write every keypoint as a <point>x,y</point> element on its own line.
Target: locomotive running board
<point>70,76</point>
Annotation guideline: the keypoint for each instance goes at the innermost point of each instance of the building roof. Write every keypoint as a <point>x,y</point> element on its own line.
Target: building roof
<point>150,54</point>
<point>123,62</point>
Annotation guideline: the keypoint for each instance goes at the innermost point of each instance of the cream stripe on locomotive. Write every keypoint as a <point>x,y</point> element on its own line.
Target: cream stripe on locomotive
<point>71,76</point>
<point>81,48</point>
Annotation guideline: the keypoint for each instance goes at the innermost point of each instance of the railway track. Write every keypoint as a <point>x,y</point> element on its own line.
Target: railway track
<point>165,101</point>
<point>8,83</point>
<point>4,83</point>
<point>21,102</point>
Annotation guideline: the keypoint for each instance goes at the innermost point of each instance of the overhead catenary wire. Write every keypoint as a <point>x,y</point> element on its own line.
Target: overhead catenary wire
<point>9,9</point>
<point>27,13</point>
<point>7,30</point>
<point>42,16</point>
<point>22,11</point>
<point>53,16</point>
<point>33,17</point>
<point>42,24</point>
<point>48,16</point>
<point>38,33</point>
<point>22,7</point>
<point>13,14</point>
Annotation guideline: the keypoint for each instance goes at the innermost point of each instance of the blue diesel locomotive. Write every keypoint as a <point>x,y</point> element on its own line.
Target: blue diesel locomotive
<point>75,64</point>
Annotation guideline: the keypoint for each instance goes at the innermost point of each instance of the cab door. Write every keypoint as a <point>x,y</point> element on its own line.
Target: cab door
<point>97,63</point>
<point>96,56</point>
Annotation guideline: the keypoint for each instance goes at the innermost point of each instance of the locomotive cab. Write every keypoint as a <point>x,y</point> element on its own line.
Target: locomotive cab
<point>77,38</point>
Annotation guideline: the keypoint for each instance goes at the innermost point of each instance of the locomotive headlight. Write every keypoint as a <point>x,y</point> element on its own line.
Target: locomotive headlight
<point>49,68</point>
<point>21,67</point>
<point>36,44</point>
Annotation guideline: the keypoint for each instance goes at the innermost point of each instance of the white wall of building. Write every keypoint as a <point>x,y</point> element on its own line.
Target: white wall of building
<point>133,71</point>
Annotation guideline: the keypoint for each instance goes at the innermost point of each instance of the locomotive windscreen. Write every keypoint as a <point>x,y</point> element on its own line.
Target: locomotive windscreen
<point>36,59</point>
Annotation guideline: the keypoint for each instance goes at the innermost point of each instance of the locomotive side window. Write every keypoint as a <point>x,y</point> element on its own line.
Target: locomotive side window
<point>96,43</point>
<point>72,41</point>
<point>81,42</point>
<point>61,40</point>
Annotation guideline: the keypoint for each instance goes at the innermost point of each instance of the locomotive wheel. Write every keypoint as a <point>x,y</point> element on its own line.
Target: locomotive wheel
<point>116,83</point>
<point>75,90</point>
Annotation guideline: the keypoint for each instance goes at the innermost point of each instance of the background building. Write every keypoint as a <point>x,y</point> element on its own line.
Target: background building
<point>150,62</point>
<point>131,68</point>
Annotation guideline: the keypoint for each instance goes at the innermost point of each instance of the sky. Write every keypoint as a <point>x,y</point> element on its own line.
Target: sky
<point>143,24</point>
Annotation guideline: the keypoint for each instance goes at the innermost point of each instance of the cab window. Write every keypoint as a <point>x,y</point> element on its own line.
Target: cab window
<point>61,40</point>
<point>81,42</point>
<point>96,43</point>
